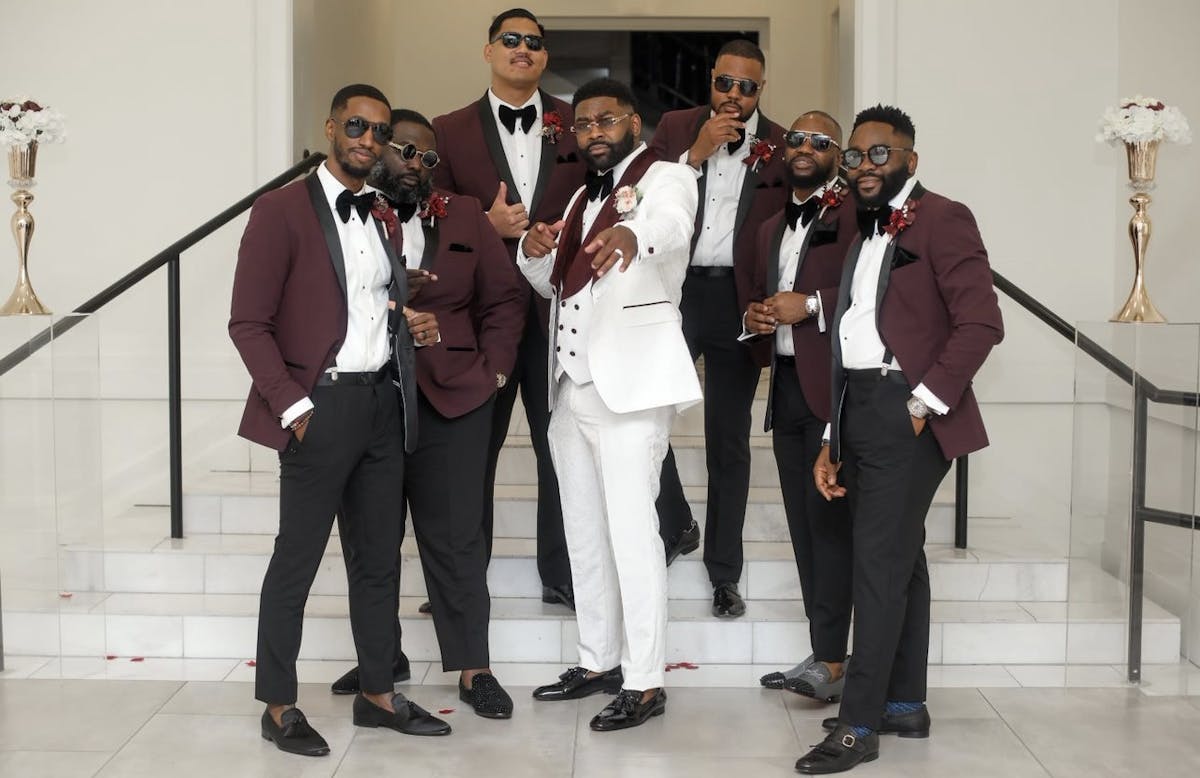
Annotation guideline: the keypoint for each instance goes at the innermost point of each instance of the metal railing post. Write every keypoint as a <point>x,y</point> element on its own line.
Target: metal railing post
<point>174,399</point>
<point>1137,532</point>
<point>960,502</point>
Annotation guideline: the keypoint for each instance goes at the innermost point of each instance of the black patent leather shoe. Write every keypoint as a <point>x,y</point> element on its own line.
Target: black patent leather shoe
<point>349,684</point>
<point>627,710</point>
<point>409,718</point>
<point>687,542</point>
<point>295,736</point>
<point>914,725</point>
<point>838,752</point>
<point>563,594</point>
<point>727,603</point>
<point>574,684</point>
<point>486,697</point>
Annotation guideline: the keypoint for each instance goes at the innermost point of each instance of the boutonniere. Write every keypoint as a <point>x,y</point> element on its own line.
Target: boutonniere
<point>902,219</point>
<point>383,211</point>
<point>626,200</point>
<point>552,127</point>
<point>434,208</point>
<point>761,152</point>
<point>833,197</point>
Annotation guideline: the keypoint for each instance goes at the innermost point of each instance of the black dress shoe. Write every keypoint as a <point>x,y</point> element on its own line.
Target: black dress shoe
<point>914,725</point>
<point>687,542</point>
<point>425,607</point>
<point>563,594</point>
<point>409,718</point>
<point>295,736</point>
<point>627,710</point>
<point>574,684</point>
<point>348,683</point>
<point>727,603</point>
<point>839,752</point>
<point>486,697</point>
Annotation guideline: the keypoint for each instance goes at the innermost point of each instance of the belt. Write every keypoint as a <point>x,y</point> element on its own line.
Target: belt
<point>784,359</point>
<point>710,271</point>
<point>875,375</point>
<point>343,378</point>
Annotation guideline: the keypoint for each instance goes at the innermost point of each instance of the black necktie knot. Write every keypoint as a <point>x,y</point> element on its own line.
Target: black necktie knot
<point>509,116</point>
<point>734,145</point>
<point>872,222</point>
<point>599,185</point>
<point>348,201</point>
<point>803,212</point>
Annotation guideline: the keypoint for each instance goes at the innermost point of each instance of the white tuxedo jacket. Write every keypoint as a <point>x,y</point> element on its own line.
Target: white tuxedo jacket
<point>636,351</point>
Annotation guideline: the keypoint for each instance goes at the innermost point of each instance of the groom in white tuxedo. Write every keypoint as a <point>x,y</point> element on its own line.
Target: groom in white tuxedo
<point>619,370</point>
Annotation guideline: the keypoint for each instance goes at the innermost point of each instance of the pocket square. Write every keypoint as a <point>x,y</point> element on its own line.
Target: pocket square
<point>823,235</point>
<point>902,258</point>
<point>769,184</point>
<point>460,247</point>
<point>572,157</point>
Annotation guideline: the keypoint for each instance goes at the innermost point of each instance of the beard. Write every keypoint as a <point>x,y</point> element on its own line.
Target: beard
<point>890,186</point>
<point>811,180</point>
<point>396,188</point>
<point>342,154</point>
<point>616,151</point>
<point>742,116</point>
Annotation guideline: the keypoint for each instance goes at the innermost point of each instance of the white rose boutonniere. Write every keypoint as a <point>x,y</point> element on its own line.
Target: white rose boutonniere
<point>626,200</point>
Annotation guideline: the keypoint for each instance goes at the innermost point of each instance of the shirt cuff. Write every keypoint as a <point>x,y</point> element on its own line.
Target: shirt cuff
<point>746,334</point>
<point>683,160</point>
<point>821,325</point>
<point>826,435</point>
<point>931,400</point>
<point>298,409</point>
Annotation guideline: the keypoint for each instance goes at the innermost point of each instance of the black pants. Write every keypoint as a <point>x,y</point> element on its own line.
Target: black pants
<point>820,530</point>
<point>891,476</point>
<point>674,513</point>
<point>443,483</point>
<point>350,463</point>
<point>711,325</point>
<point>530,376</point>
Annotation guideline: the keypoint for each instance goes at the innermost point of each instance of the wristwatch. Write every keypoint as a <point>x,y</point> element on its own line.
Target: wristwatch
<point>812,305</point>
<point>501,380</point>
<point>917,408</point>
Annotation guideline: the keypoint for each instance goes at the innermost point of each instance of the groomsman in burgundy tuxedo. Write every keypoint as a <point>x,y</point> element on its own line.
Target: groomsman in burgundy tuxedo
<point>480,302</point>
<point>316,276</point>
<point>799,266</point>
<point>916,318</point>
<point>511,150</point>
<point>736,154</point>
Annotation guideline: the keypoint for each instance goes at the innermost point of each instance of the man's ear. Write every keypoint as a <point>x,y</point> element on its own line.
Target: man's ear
<point>329,129</point>
<point>487,53</point>
<point>912,164</point>
<point>635,125</point>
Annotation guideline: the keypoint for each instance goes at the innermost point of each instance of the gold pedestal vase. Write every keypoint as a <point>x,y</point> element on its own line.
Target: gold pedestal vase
<point>22,162</point>
<point>1138,307</point>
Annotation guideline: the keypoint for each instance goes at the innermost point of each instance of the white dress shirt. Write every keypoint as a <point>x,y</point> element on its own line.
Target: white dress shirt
<point>523,150</point>
<point>413,234</point>
<point>789,265</point>
<point>724,174</point>
<point>368,274</point>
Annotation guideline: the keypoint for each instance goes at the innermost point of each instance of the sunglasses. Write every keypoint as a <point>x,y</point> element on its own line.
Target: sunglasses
<point>819,141</point>
<point>605,123</point>
<point>724,84</point>
<point>356,127</point>
<point>511,40</point>
<point>429,157</point>
<point>878,154</point>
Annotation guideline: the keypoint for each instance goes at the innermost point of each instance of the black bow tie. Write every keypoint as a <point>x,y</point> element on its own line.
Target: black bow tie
<point>508,117</point>
<point>803,212</point>
<point>734,145</point>
<point>598,184</point>
<point>872,222</point>
<point>347,200</point>
<point>405,211</point>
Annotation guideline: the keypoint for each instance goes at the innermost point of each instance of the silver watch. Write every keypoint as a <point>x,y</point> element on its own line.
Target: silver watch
<point>812,305</point>
<point>917,408</point>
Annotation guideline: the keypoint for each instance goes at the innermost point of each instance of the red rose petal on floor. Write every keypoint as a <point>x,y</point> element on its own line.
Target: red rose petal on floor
<point>251,663</point>
<point>444,711</point>
<point>66,595</point>
<point>110,657</point>
<point>137,659</point>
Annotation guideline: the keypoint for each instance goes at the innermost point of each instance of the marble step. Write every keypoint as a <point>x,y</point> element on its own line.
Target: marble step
<point>526,630</point>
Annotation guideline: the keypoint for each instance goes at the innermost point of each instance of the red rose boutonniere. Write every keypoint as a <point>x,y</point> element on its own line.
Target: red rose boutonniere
<point>902,219</point>
<point>761,152</point>
<point>833,197</point>
<point>383,211</point>
<point>552,127</point>
<point>434,209</point>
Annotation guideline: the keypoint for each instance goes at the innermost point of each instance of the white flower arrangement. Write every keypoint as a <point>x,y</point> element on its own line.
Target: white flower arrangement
<point>626,200</point>
<point>23,121</point>
<point>1142,120</point>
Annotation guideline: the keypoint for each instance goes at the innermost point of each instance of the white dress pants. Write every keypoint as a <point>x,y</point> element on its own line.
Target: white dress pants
<point>608,470</point>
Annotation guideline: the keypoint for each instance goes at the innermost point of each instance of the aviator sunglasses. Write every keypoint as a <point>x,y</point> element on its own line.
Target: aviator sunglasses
<point>819,141</point>
<point>429,157</point>
<point>725,84</point>
<point>356,127</point>
<point>511,40</point>
<point>878,154</point>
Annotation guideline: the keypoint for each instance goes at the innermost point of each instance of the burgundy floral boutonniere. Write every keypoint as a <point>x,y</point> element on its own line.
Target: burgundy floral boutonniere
<point>761,152</point>
<point>434,209</point>
<point>833,197</point>
<point>552,127</point>
<point>384,212</point>
<point>902,219</point>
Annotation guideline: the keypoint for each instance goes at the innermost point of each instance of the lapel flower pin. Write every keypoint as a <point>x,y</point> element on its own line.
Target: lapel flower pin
<point>434,209</point>
<point>626,200</point>
<point>552,127</point>
<point>384,212</point>
<point>902,219</point>
<point>761,151</point>
<point>833,197</point>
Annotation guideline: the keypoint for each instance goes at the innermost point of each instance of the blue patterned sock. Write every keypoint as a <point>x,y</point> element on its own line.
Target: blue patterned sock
<point>861,731</point>
<point>899,708</point>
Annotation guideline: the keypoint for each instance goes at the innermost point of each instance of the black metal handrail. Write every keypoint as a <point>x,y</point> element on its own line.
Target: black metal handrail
<point>1144,393</point>
<point>169,257</point>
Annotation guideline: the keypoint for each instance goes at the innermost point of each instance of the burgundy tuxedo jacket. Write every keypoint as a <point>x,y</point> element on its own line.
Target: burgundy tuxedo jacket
<point>473,163</point>
<point>288,315</point>
<point>822,256</point>
<point>937,312</point>
<point>480,303</point>
<point>764,192</point>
